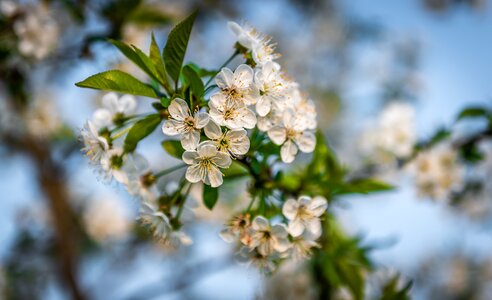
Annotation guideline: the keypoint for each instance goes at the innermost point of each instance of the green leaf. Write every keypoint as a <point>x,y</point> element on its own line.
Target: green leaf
<point>140,130</point>
<point>364,186</point>
<point>148,15</point>
<point>473,112</point>
<point>174,148</point>
<point>176,45</point>
<point>235,171</point>
<point>139,58</point>
<point>165,102</point>
<point>194,81</point>
<point>210,196</point>
<point>118,81</point>
<point>156,58</point>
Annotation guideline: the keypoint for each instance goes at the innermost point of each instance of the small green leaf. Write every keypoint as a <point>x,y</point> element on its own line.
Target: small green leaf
<point>176,45</point>
<point>473,112</point>
<point>194,81</point>
<point>210,196</point>
<point>140,130</point>
<point>364,186</point>
<point>235,171</point>
<point>137,57</point>
<point>156,58</point>
<point>118,81</point>
<point>173,148</point>
<point>165,102</point>
<point>148,15</point>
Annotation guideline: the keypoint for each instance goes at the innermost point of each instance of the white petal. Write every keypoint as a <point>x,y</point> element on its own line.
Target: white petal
<point>290,209</point>
<point>207,150</point>
<point>243,76</point>
<point>227,235</point>
<point>289,118</point>
<point>212,130</point>
<point>263,106</point>
<point>296,228</point>
<point>214,176</point>
<point>110,101</point>
<point>190,157</point>
<point>178,109</point>
<point>260,223</point>
<point>279,231</point>
<point>190,140</point>
<point>201,119</point>
<point>235,28</point>
<point>127,104</point>
<point>238,141</point>
<point>288,151</point>
<point>306,142</point>
<point>282,245</point>
<point>314,227</point>
<point>218,100</point>
<point>222,160</point>
<point>246,118</point>
<point>225,78</point>
<point>102,118</point>
<point>277,134</point>
<point>195,173</point>
<point>317,206</point>
<point>172,127</point>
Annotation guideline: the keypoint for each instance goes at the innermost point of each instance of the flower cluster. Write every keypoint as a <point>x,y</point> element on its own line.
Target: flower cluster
<point>103,146</point>
<point>36,28</point>
<point>394,135</point>
<point>264,97</point>
<point>437,171</point>
<point>264,244</point>
<point>254,115</point>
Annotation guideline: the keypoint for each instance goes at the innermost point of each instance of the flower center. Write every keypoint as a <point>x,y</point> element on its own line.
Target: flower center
<point>189,123</point>
<point>228,114</point>
<point>206,162</point>
<point>291,133</point>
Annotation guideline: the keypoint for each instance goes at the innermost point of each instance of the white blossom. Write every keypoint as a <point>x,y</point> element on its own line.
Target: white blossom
<point>105,219</point>
<point>114,109</point>
<point>238,86</point>
<point>246,35</point>
<point>205,163</point>
<point>267,238</point>
<point>304,215</point>
<point>292,136</point>
<point>264,262</point>
<point>237,228</point>
<point>394,134</point>
<point>271,87</point>
<point>183,123</point>
<point>37,31</point>
<point>234,142</point>
<point>302,246</point>
<point>231,114</point>
<point>263,50</point>
<point>156,220</point>
<point>95,146</point>
<point>437,171</point>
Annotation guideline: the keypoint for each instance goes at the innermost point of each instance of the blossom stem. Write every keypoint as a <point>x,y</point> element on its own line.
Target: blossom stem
<point>181,205</point>
<point>170,170</point>
<point>251,204</point>
<point>223,66</point>
<point>122,132</point>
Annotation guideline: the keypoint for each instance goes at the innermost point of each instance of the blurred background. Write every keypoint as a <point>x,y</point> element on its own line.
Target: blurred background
<point>67,234</point>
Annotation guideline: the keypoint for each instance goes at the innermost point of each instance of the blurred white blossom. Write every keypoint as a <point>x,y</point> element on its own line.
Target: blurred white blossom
<point>37,31</point>
<point>393,135</point>
<point>105,219</point>
<point>437,171</point>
